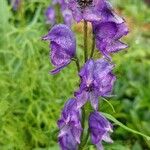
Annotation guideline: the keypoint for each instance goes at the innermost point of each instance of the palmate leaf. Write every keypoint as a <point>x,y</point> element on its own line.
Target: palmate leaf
<point>110,117</point>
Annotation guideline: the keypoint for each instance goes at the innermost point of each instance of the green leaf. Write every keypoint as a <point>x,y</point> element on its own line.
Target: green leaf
<point>123,126</point>
<point>109,104</point>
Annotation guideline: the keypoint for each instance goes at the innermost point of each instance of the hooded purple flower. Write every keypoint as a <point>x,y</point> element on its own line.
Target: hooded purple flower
<point>67,15</point>
<point>15,4</point>
<point>91,10</point>
<point>63,46</point>
<point>99,129</point>
<point>66,12</point>
<point>96,80</point>
<point>70,126</point>
<point>50,15</point>
<point>107,36</point>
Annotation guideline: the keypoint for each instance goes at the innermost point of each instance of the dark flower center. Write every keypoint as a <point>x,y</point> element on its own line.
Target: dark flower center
<point>90,88</point>
<point>84,3</point>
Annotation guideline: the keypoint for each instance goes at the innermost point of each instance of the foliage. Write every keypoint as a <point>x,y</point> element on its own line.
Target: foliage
<point>31,99</point>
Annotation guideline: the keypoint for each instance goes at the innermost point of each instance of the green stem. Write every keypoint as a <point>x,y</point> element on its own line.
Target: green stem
<point>83,127</point>
<point>76,59</point>
<point>59,18</point>
<point>85,41</point>
<point>86,138</point>
<point>93,46</point>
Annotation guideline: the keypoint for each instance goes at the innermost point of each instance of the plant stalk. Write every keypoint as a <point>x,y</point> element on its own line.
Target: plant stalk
<point>76,59</point>
<point>84,140</point>
<point>85,41</point>
<point>93,46</point>
<point>83,127</point>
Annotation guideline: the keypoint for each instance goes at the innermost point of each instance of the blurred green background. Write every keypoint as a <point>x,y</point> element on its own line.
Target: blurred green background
<point>31,100</point>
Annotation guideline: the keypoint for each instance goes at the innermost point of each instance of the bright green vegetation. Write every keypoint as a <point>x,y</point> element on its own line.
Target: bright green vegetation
<point>31,99</point>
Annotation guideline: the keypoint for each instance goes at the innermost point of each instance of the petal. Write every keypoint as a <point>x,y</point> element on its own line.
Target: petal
<point>63,37</point>
<point>122,30</point>
<point>115,46</point>
<point>60,123</point>
<point>101,46</point>
<point>63,131</point>
<point>58,55</point>
<point>107,35</point>
<point>70,110</point>
<point>67,141</point>
<point>105,30</point>
<point>102,68</point>
<point>106,138</point>
<point>96,135</point>
<point>99,127</point>
<point>81,98</point>
<point>94,99</point>
<point>58,69</point>
<point>86,72</point>
<point>70,105</point>
<point>109,15</point>
<point>68,18</point>
<point>76,12</point>
<point>106,84</point>
<point>98,121</point>
<point>50,15</point>
<point>90,14</point>
<point>99,146</point>
<point>77,134</point>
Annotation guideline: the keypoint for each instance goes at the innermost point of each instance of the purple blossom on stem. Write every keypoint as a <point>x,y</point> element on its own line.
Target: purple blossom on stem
<point>63,46</point>
<point>96,76</point>
<point>99,129</point>
<point>67,15</point>
<point>70,126</point>
<point>107,36</point>
<point>87,10</point>
<point>92,10</point>
<point>50,15</point>
<point>15,4</point>
<point>96,80</point>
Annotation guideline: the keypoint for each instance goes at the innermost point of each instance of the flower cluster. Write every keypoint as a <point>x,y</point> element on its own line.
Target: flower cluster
<point>96,76</point>
<point>51,15</point>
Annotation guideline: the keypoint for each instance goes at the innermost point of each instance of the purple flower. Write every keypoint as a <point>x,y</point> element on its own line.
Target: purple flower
<point>15,4</point>
<point>96,80</point>
<point>99,129</point>
<point>61,2</point>
<point>50,15</point>
<point>107,36</point>
<point>70,126</point>
<point>63,46</point>
<point>87,10</point>
<point>91,10</point>
<point>67,15</point>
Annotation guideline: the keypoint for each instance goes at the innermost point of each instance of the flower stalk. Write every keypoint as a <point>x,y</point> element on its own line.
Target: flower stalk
<point>96,76</point>
<point>93,46</point>
<point>76,59</point>
<point>85,40</point>
<point>83,129</point>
